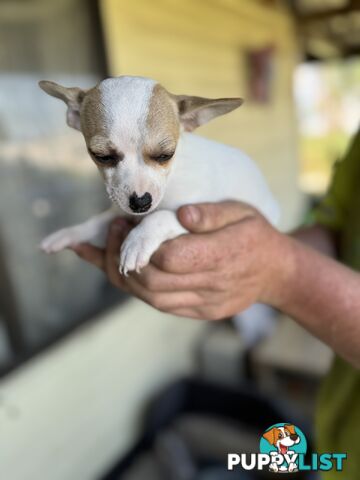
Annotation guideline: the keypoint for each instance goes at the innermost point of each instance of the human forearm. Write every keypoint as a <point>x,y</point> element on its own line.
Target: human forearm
<point>318,237</point>
<point>324,297</point>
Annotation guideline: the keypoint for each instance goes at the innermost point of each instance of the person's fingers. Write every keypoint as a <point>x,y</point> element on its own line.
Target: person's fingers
<point>188,313</point>
<point>156,280</point>
<point>90,254</point>
<point>207,217</point>
<point>117,233</point>
<point>188,254</point>
<point>163,301</point>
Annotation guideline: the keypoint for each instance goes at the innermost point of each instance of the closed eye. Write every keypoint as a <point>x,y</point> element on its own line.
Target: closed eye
<point>163,157</point>
<point>108,160</point>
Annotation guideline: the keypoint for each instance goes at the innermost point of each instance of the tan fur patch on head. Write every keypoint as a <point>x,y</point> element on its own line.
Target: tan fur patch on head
<point>92,115</point>
<point>101,145</point>
<point>162,127</point>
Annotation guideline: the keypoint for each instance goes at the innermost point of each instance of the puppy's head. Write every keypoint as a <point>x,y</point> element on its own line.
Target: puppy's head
<point>282,437</point>
<point>131,127</point>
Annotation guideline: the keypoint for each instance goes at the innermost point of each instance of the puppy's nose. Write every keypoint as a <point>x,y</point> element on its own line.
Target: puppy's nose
<point>294,437</point>
<point>140,204</point>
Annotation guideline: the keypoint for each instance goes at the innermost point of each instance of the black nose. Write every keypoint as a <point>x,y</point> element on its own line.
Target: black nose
<point>140,204</point>
<point>294,437</point>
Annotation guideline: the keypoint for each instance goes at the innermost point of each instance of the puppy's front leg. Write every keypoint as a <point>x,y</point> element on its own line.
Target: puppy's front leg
<point>94,230</point>
<point>146,238</point>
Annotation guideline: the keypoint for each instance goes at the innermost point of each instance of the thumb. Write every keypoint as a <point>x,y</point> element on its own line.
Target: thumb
<point>206,217</point>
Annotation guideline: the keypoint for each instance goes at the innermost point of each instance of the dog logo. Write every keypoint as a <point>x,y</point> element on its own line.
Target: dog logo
<point>282,449</point>
<point>283,442</point>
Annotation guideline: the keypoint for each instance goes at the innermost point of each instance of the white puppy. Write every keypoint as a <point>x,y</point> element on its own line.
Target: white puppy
<point>137,134</point>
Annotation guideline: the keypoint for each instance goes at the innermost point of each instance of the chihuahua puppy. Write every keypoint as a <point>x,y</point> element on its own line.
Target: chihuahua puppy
<point>138,135</point>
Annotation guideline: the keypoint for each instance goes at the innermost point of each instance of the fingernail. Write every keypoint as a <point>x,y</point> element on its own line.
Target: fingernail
<point>193,213</point>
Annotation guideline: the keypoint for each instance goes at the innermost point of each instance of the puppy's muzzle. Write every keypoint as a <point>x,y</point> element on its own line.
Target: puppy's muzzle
<point>140,204</point>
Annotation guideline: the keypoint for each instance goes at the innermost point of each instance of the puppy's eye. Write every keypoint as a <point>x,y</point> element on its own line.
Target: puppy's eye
<point>164,157</point>
<point>109,160</point>
<point>280,435</point>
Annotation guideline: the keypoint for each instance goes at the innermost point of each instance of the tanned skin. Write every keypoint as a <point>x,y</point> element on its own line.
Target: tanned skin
<point>232,258</point>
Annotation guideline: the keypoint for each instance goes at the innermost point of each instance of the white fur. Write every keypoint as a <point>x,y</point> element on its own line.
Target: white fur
<point>94,229</point>
<point>125,101</point>
<point>208,171</point>
<point>146,238</point>
<point>201,171</point>
<point>124,104</point>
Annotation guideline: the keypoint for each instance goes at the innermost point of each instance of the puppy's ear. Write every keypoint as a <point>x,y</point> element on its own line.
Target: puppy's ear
<point>270,436</point>
<point>195,111</point>
<point>73,98</point>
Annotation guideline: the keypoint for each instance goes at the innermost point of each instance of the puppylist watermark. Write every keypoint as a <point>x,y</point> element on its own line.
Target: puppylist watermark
<point>283,447</point>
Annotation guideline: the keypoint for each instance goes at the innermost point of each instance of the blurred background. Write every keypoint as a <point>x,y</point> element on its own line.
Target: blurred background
<point>97,385</point>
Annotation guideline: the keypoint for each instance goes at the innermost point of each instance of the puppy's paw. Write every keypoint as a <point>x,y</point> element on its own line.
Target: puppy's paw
<point>136,252</point>
<point>273,467</point>
<point>60,240</point>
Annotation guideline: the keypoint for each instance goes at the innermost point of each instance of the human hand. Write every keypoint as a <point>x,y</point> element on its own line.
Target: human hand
<point>232,258</point>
